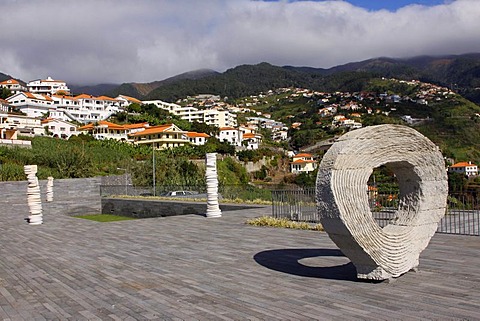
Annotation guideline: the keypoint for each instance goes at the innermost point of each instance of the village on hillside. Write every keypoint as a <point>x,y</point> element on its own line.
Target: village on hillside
<point>46,107</point>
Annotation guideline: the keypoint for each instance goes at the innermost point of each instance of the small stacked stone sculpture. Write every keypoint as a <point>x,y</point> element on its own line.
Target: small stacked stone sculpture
<point>213,209</point>
<point>33,196</point>
<point>342,198</point>
<point>50,189</point>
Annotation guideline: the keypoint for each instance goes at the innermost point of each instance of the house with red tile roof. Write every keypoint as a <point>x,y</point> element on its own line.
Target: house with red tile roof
<point>126,101</point>
<point>197,138</point>
<point>230,135</point>
<point>33,105</point>
<point>108,130</point>
<point>13,85</point>
<point>161,137</point>
<point>464,168</point>
<point>303,163</point>
<point>251,140</point>
<point>59,128</point>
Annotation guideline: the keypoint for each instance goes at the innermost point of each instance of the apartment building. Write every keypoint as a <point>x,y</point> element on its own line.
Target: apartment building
<point>25,126</point>
<point>33,105</point>
<point>48,86</point>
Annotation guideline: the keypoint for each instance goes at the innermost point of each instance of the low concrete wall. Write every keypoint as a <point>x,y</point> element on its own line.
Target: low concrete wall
<point>70,196</point>
<point>144,208</point>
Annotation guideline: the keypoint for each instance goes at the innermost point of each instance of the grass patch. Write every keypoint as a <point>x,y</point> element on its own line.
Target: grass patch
<point>105,217</point>
<point>283,222</point>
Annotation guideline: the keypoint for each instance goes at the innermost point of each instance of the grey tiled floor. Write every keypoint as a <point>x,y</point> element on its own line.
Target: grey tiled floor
<point>193,268</point>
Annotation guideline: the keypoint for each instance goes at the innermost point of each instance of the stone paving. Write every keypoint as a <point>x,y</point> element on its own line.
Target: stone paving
<point>193,268</point>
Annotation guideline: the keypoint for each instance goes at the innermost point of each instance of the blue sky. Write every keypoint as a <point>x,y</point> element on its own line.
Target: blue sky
<point>115,41</point>
<point>392,5</point>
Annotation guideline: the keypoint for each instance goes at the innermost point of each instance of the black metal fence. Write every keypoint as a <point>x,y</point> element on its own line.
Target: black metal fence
<point>462,216</point>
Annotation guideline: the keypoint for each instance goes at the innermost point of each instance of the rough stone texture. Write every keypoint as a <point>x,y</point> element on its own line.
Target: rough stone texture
<point>342,199</point>
<point>213,209</point>
<point>33,196</point>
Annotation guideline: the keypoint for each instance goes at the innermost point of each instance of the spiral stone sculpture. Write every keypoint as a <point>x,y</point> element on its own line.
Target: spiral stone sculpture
<point>33,196</point>
<point>213,209</point>
<point>342,198</point>
<point>50,189</point>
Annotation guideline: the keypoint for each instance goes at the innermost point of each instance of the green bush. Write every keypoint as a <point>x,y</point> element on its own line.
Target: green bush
<point>282,222</point>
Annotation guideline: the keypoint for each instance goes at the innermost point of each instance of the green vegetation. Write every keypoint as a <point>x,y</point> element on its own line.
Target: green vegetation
<point>282,222</point>
<point>105,217</point>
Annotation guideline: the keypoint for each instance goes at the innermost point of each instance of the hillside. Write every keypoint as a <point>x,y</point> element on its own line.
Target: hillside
<point>142,90</point>
<point>449,120</point>
<point>461,72</point>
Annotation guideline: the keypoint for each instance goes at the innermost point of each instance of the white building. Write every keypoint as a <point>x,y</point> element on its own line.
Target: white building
<point>84,108</point>
<point>9,134</point>
<point>230,135</point>
<point>303,163</point>
<point>13,85</point>
<point>211,116</point>
<point>219,118</point>
<point>59,128</point>
<point>107,130</point>
<point>33,105</point>
<point>48,86</point>
<point>126,101</point>
<point>25,126</point>
<point>251,140</point>
<point>161,137</point>
<point>464,168</point>
<point>197,139</point>
<point>4,106</point>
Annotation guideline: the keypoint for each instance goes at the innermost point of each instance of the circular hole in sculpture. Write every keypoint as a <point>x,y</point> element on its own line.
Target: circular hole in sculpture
<point>393,194</point>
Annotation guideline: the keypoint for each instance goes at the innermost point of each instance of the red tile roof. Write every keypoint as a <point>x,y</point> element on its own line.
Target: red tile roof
<point>303,155</point>
<point>9,82</point>
<point>153,130</point>
<point>463,164</point>
<point>195,134</point>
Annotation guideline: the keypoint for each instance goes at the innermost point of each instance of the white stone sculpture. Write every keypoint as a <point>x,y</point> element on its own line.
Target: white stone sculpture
<point>33,196</point>
<point>342,198</point>
<point>50,189</point>
<point>213,209</point>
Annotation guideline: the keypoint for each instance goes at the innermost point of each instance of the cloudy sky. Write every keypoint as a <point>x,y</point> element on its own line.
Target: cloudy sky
<point>115,41</point>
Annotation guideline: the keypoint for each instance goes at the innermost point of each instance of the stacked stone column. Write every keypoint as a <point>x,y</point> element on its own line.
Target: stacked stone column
<point>33,196</point>
<point>213,209</point>
<point>50,189</point>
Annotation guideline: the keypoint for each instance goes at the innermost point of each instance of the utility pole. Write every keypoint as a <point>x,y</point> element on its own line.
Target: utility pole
<point>153,161</point>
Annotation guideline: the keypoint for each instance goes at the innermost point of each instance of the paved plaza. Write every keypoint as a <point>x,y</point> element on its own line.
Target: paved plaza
<point>192,268</point>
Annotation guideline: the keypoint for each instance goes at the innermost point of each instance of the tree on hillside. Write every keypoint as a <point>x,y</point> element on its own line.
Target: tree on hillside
<point>5,93</point>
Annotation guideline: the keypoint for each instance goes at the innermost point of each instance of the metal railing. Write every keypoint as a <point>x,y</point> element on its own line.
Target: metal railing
<point>462,216</point>
<point>244,192</point>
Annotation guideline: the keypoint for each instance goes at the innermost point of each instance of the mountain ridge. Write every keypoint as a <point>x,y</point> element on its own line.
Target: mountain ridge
<point>460,72</point>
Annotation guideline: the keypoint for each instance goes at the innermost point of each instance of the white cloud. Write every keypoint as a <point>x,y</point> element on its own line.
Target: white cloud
<point>116,41</point>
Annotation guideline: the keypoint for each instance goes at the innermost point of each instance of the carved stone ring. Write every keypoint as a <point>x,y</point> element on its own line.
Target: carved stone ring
<point>343,205</point>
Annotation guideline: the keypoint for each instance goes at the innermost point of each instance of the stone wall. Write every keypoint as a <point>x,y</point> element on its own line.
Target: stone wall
<point>70,196</point>
<point>143,208</point>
